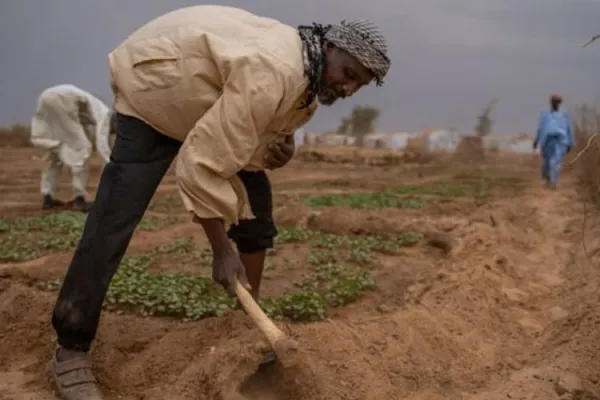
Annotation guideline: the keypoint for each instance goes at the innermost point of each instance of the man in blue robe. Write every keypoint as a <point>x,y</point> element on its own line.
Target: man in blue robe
<point>555,138</point>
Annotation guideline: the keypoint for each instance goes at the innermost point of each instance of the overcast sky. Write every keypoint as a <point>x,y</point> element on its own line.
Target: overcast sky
<point>449,57</point>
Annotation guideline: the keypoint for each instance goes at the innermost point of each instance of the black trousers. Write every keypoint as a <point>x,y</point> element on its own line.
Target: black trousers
<point>140,158</point>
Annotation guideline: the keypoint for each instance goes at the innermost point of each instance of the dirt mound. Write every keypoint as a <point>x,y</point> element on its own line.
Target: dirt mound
<point>350,155</point>
<point>416,151</point>
<point>382,222</point>
<point>470,149</point>
<point>161,358</point>
<point>230,372</point>
<point>22,328</point>
<point>15,136</point>
<point>497,301</point>
<point>294,213</point>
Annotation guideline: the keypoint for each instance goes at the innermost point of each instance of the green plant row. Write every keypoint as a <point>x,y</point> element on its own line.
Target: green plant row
<point>339,272</point>
<point>406,196</point>
<point>29,238</point>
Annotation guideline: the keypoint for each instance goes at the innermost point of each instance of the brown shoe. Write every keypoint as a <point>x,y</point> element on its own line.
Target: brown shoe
<point>73,378</point>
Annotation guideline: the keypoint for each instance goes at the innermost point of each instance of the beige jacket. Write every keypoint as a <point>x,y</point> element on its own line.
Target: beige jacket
<point>223,81</point>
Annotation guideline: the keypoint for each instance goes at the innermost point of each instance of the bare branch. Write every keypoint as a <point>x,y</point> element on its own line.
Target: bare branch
<point>592,40</point>
<point>587,146</point>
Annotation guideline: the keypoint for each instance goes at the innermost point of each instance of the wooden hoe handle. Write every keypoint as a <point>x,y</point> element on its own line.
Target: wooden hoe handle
<point>262,321</point>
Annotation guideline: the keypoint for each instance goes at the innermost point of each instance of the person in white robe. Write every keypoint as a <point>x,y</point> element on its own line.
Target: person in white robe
<point>70,123</point>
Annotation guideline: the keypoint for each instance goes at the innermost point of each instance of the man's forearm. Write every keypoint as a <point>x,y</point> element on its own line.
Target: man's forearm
<point>216,234</point>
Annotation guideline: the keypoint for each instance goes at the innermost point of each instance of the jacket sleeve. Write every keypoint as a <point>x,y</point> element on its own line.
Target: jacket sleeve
<point>102,138</point>
<point>223,141</point>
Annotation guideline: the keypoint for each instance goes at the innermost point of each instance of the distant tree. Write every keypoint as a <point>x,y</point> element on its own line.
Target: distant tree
<point>360,122</point>
<point>364,119</point>
<point>345,125</point>
<point>484,122</point>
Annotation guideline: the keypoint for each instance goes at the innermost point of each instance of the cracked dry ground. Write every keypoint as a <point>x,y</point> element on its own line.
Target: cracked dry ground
<point>497,301</point>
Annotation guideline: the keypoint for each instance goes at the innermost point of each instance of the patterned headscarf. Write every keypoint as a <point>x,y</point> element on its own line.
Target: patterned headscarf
<point>363,40</point>
<point>360,38</point>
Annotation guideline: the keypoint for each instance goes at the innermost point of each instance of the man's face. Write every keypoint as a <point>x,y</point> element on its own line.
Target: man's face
<point>555,103</point>
<point>343,76</point>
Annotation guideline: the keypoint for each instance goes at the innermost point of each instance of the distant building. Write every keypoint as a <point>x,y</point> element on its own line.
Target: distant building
<point>334,139</point>
<point>299,137</point>
<point>441,139</point>
<point>395,140</point>
<point>435,140</point>
<point>516,143</point>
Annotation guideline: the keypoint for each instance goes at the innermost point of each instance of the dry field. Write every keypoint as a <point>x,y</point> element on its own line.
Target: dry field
<point>434,281</point>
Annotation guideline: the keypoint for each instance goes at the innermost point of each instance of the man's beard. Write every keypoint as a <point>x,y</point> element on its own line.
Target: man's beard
<point>327,96</point>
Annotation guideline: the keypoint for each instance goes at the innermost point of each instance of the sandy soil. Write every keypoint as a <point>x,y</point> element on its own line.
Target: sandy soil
<point>499,301</point>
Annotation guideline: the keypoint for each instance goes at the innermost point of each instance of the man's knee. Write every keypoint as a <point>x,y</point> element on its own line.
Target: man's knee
<point>253,235</point>
<point>258,234</point>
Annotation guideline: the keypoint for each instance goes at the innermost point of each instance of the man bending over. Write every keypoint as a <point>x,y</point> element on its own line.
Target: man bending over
<point>225,90</point>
